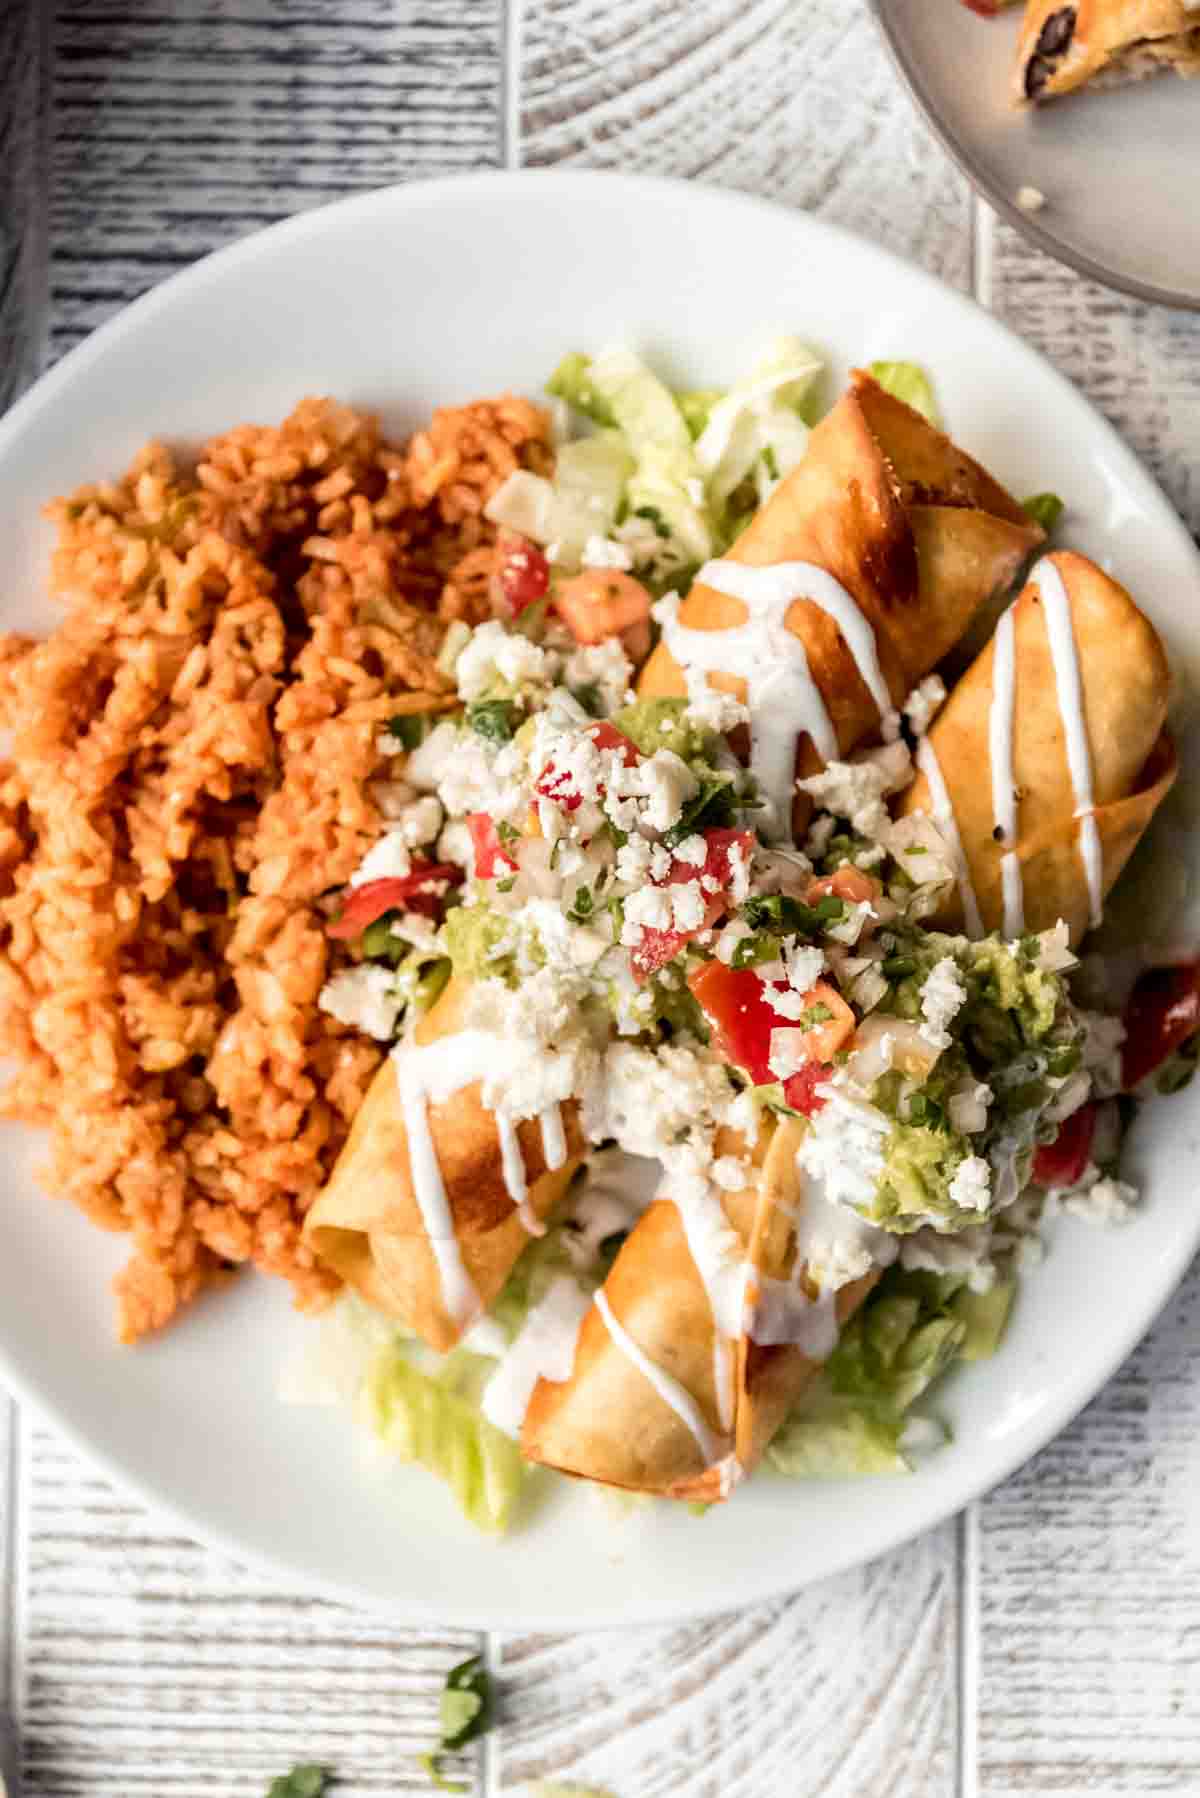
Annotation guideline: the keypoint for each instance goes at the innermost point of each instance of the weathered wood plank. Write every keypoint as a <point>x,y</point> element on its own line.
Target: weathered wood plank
<point>24,91</point>
<point>1089,1558</point>
<point>178,128</point>
<point>1139,364</point>
<point>848,1690</point>
<point>155,1666</point>
<point>798,102</point>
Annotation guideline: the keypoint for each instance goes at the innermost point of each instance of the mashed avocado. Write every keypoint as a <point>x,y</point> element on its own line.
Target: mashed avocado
<point>1008,979</point>
<point>477,940</point>
<point>655,724</point>
<point>914,1185</point>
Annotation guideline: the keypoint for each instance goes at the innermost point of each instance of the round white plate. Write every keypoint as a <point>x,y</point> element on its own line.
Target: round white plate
<point>403,300</point>
<point>1117,167</point>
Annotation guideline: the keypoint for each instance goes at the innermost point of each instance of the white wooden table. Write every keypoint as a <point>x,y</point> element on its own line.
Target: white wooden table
<point>1046,1642</point>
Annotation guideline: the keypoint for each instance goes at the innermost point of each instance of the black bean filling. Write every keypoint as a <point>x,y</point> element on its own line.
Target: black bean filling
<point>1053,39</point>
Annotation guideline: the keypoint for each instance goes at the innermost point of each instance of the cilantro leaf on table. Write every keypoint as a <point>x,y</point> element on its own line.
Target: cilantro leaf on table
<point>308,1780</point>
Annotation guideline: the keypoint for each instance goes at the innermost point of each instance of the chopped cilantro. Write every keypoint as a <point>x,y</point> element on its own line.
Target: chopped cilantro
<point>1044,508</point>
<point>408,728</point>
<point>508,833</point>
<point>813,1015</point>
<point>924,1110</point>
<point>751,950</point>
<point>582,907</point>
<point>465,1712</point>
<point>770,462</point>
<point>1062,1058</point>
<point>506,885</point>
<point>898,967</point>
<point>494,719</point>
<point>309,1780</point>
<point>590,698</point>
<point>779,911</point>
<point>654,517</point>
<point>710,808</point>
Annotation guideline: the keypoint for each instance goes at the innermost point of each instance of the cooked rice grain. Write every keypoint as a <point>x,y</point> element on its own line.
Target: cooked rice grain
<point>192,755</point>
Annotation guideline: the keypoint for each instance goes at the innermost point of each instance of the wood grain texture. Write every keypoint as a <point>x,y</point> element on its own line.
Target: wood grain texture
<point>24,95</point>
<point>848,1690</point>
<point>154,1666</point>
<point>1090,1590</point>
<point>1139,364</point>
<point>180,125</point>
<point>794,101</point>
<point>1089,1558</point>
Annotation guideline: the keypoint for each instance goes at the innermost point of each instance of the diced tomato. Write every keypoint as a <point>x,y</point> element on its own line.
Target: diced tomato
<point>735,1002</point>
<point>1162,1013</point>
<point>602,603</point>
<point>658,947</point>
<point>524,572</point>
<point>490,859</point>
<point>555,784</point>
<point>422,890</point>
<point>987,9</point>
<point>1061,1162</point>
<point>800,1091</point>
<point>850,884</point>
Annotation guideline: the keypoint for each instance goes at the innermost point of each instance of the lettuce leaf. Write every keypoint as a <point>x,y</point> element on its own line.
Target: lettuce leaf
<point>755,433</point>
<point>908,381</point>
<point>1045,509</point>
<point>421,1418</point>
<point>857,1417</point>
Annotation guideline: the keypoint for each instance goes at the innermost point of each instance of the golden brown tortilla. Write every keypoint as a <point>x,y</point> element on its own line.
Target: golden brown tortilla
<point>1102,43</point>
<point>1126,684</point>
<point>367,1224</point>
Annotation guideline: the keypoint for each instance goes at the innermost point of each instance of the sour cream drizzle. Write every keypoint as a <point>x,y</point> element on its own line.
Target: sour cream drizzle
<point>680,1400</point>
<point>1064,654</point>
<point>435,1071</point>
<point>1000,755</point>
<point>784,700</point>
<point>947,823</point>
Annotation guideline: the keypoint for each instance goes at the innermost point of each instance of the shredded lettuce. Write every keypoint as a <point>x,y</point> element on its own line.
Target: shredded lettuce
<point>909,382</point>
<point>755,432</point>
<point>582,500</point>
<point>421,1418</point>
<point>857,1416</point>
<point>572,381</point>
<point>665,483</point>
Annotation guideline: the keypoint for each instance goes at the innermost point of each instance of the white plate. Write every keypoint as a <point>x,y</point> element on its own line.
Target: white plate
<point>1117,167</point>
<point>401,300</point>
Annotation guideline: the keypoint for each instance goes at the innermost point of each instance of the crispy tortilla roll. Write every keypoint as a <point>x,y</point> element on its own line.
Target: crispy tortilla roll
<point>1123,684</point>
<point>370,1226</point>
<point>917,534</point>
<point>666,1403</point>
<point>1102,43</point>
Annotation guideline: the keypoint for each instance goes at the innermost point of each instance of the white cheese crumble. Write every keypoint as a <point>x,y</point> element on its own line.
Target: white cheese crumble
<point>925,699</point>
<point>603,552</point>
<point>365,998</point>
<point>387,859</point>
<point>943,996</point>
<point>971,1187</point>
<point>602,665</point>
<point>1032,199</point>
<point>496,657</point>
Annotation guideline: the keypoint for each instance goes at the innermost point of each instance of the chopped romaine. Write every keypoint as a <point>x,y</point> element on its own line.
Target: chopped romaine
<point>909,382</point>
<point>420,1419</point>
<point>1045,509</point>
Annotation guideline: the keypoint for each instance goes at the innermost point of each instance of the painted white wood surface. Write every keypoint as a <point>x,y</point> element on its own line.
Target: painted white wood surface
<point>1046,1644</point>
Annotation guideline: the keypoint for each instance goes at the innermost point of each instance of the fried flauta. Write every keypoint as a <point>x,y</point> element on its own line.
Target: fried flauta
<point>1051,755</point>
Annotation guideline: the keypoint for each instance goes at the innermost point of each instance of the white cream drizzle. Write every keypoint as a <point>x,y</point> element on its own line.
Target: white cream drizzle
<point>723,1379</point>
<point>544,1349</point>
<point>947,823</point>
<point>680,1400</point>
<point>784,700</point>
<point>1000,755</point>
<point>782,1312</point>
<point>434,1071</point>
<point>1064,654</point>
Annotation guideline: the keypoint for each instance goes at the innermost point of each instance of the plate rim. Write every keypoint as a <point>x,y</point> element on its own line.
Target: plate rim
<point>498,187</point>
<point>1025,223</point>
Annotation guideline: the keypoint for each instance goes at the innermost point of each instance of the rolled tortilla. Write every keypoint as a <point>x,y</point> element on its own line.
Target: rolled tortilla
<point>917,535</point>
<point>1102,43</point>
<point>370,1226</point>
<point>643,1408</point>
<point>1124,683</point>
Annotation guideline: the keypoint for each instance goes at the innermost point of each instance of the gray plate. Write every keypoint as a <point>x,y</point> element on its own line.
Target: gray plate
<point>1118,168</point>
